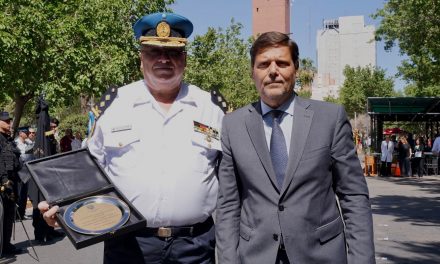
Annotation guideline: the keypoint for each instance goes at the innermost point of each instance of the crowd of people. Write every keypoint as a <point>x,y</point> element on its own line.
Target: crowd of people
<point>15,193</point>
<point>409,153</point>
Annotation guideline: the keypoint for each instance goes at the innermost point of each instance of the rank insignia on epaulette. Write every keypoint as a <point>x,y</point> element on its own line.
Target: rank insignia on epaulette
<point>209,132</point>
<point>99,109</point>
<point>218,99</point>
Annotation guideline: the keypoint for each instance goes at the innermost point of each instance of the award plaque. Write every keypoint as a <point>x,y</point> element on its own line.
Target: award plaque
<point>91,208</point>
<point>96,215</point>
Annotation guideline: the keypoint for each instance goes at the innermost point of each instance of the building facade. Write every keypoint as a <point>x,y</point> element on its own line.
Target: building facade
<point>343,41</point>
<point>270,15</point>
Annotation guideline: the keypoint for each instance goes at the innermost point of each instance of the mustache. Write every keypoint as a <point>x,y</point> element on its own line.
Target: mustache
<point>162,66</point>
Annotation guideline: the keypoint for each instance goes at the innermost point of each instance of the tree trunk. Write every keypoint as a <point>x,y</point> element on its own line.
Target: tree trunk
<point>85,107</point>
<point>20,101</point>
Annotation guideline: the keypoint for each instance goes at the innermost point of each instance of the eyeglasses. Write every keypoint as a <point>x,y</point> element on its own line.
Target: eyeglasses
<point>31,132</point>
<point>155,53</point>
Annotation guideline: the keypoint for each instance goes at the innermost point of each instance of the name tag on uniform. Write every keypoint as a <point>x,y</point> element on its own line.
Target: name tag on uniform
<point>209,132</point>
<point>121,128</point>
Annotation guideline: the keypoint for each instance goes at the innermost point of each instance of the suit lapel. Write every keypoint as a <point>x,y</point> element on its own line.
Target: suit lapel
<point>302,120</point>
<point>254,125</point>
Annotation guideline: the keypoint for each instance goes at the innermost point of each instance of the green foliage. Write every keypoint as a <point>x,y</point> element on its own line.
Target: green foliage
<point>305,74</point>
<point>415,26</point>
<point>305,93</point>
<point>76,122</point>
<point>361,83</point>
<point>220,59</point>
<point>417,91</point>
<point>68,48</point>
<point>331,99</point>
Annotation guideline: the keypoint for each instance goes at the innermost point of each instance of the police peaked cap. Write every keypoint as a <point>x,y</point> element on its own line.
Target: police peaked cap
<point>163,29</point>
<point>4,116</point>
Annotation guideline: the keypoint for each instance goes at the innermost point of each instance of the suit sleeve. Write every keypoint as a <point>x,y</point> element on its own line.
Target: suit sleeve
<point>228,205</point>
<point>352,192</point>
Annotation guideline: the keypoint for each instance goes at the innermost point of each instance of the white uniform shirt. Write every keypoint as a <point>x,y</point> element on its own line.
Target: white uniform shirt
<point>157,159</point>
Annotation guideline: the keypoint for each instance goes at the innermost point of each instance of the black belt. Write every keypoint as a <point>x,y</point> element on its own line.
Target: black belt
<point>177,231</point>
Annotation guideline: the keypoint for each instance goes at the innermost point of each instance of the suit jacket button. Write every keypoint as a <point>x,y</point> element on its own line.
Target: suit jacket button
<point>281,207</point>
<point>275,237</point>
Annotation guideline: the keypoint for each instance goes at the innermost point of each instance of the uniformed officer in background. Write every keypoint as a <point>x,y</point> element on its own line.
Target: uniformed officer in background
<point>159,142</point>
<point>9,166</point>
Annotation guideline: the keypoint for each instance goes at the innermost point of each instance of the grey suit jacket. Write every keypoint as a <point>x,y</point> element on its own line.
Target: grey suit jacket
<point>253,214</point>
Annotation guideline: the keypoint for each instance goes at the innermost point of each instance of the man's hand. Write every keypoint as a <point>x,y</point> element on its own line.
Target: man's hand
<point>49,214</point>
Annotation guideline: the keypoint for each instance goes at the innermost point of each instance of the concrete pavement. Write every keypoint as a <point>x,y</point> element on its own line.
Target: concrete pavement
<point>406,214</point>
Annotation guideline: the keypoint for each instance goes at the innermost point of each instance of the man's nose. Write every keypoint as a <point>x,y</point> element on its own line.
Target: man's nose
<point>164,56</point>
<point>273,70</point>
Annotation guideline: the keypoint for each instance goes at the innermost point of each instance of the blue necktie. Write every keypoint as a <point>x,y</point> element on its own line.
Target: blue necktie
<point>278,149</point>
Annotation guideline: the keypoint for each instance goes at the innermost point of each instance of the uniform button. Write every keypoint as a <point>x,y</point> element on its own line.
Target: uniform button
<point>281,207</point>
<point>275,237</point>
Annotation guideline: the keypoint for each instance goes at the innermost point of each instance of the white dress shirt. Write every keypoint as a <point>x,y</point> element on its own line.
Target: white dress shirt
<point>157,159</point>
<point>286,121</point>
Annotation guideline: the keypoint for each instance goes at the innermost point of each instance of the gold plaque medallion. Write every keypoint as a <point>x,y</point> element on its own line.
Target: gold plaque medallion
<point>163,29</point>
<point>96,215</point>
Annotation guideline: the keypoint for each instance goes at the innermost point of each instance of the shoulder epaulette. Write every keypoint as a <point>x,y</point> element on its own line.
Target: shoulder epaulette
<point>218,99</point>
<point>99,108</point>
<point>105,101</point>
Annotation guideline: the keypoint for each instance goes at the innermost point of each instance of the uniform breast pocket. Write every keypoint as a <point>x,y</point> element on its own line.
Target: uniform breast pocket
<point>205,152</point>
<point>121,149</point>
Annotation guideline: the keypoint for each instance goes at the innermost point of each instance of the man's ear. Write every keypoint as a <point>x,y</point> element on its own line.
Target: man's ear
<point>185,57</point>
<point>142,64</point>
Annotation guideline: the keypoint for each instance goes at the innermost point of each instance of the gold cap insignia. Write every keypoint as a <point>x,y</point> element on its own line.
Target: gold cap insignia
<point>163,30</point>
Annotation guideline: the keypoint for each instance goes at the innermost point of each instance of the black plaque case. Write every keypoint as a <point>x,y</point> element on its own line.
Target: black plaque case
<point>68,177</point>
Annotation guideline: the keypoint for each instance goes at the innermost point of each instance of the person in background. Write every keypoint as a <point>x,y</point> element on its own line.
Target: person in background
<point>418,158</point>
<point>386,158</point>
<point>436,145</point>
<point>10,164</point>
<point>53,136</point>
<point>77,141</point>
<point>404,155</point>
<point>436,148</point>
<point>66,141</point>
<point>25,145</point>
<point>159,142</point>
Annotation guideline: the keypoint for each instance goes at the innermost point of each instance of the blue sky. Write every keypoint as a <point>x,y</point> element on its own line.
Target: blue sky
<point>306,19</point>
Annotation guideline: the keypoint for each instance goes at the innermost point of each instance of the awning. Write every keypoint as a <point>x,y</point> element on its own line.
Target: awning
<point>412,109</point>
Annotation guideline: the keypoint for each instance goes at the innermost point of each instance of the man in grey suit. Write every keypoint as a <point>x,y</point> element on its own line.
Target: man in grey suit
<point>287,161</point>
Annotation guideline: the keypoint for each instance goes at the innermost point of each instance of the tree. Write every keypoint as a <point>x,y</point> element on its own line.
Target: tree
<point>219,59</point>
<point>67,48</point>
<point>305,75</point>
<point>415,26</point>
<point>417,91</point>
<point>361,83</point>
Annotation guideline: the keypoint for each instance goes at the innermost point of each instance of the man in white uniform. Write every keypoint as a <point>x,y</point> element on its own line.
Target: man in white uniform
<point>159,143</point>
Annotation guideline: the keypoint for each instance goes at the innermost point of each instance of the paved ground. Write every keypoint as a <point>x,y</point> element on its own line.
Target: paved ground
<point>406,214</point>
